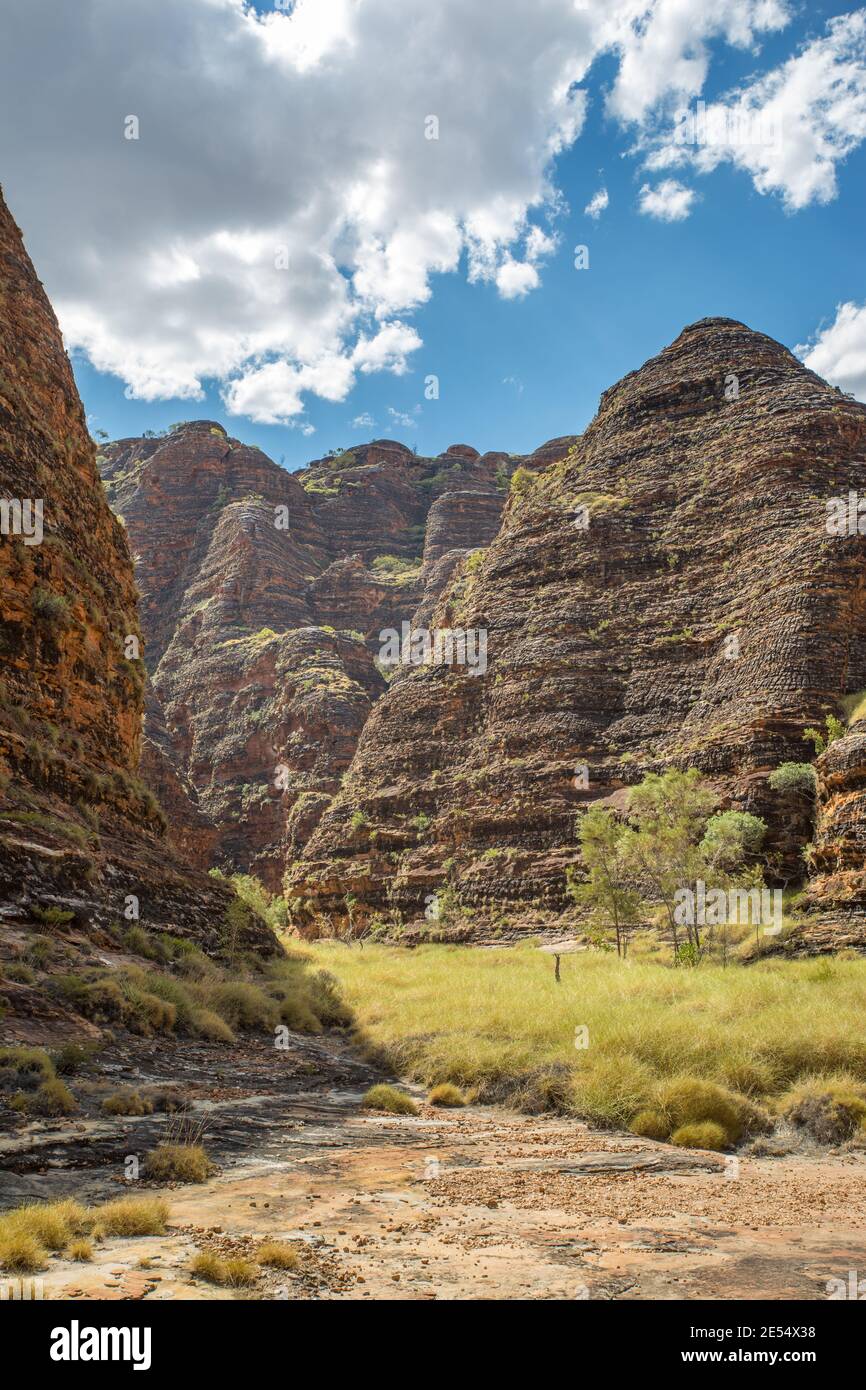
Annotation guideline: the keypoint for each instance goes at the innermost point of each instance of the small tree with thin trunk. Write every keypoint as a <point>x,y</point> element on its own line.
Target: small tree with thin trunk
<point>607,890</point>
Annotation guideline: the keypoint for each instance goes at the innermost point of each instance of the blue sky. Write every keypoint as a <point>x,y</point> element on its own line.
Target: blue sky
<point>513,371</point>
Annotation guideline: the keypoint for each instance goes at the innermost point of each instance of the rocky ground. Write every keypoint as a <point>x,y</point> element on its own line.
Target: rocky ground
<point>459,1204</point>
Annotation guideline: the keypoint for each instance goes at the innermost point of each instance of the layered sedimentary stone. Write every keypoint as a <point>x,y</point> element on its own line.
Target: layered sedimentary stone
<point>264,597</point>
<point>663,591</point>
<point>79,831</point>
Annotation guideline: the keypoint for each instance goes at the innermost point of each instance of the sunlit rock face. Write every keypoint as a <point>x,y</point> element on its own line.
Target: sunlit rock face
<point>662,591</point>
<point>79,830</point>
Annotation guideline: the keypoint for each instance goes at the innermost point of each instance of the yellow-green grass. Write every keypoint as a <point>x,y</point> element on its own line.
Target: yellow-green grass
<point>29,1233</point>
<point>177,1163</point>
<point>496,1021</point>
<point>446,1095</point>
<point>389,1098</point>
<point>132,1216</point>
<point>278,1255</point>
<point>233,1273</point>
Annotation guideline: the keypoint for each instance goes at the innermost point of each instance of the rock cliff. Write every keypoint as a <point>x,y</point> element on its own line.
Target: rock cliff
<point>263,596</point>
<point>663,591</point>
<point>80,832</point>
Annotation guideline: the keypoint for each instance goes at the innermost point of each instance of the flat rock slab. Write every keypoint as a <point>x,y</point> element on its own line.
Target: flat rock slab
<point>664,1161</point>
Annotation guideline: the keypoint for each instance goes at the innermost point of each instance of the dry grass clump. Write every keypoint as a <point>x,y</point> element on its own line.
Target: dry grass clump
<point>127,1102</point>
<point>30,1073</point>
<point>446,1095</point>
<point>389,1098</point>
<point>687,1100</point>
<point>24,1068</point>
<point>168,1100</point>
<point>21,1253</point>
<point>650,1124</point>
<point>278,1255</point>
<point>51,1099</point>
<point>830,1108</point>
<point>29,1233</point>
<point>170,1162</point>
<point>205,1023</point>
<point>706,1135</point>
<point>132,1216</point>
<point>241,1005</point>
<point>232,1273</point>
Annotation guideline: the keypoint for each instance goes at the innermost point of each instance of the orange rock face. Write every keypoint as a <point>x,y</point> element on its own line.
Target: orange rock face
<point>78,829</point>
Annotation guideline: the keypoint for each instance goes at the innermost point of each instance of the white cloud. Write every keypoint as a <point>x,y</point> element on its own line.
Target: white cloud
<point>401,419</point>
<point>788,129</point>
<point>363,422</point>
<point>663,46</point>
<point>669,200</point>
<point>597,204</point>
<point>514,279</point>
<point>838,353</point>
<point>388,350</point>
<point>282,213</point>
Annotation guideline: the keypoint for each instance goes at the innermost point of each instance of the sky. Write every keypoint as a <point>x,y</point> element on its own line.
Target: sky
<point>320,222</point>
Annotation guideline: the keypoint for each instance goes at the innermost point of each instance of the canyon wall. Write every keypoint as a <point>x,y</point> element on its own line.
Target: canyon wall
<point>80,831</point>
<point>665,593</point>
<point>263,596</point>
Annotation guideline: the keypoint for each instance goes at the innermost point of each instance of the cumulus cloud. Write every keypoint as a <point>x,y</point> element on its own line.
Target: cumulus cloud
<point>514,279</point>
<point>789,128</point>
<point>669,200</point>
<point>290,199</point>
<point>597,204</point>
<point>664,52</point>
<point>282,211</point>
<point>838,352</point>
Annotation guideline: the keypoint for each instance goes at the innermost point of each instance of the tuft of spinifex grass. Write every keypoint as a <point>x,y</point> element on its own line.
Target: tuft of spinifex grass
<point>389,1098</point>
<point>132,1216</point>
<point>233,1273</point>
<point>177,1163</point>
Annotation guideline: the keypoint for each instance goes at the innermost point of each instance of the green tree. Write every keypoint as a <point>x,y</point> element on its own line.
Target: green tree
<point>730,838</point>
<point>673,840</point>
<point>613,901</point>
